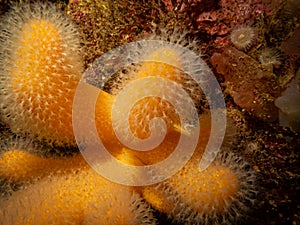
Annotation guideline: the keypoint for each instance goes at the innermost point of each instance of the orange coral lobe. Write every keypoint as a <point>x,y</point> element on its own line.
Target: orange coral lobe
<point>83,197</point>
<point>103,121</point>
<point>18,166</point>
<point>163,62</point>
<point>209,189</point>
<point>207,192</point>
<point>147,109</point>
<point>38,70</point>
<point>41,67</point>
<point>105,130</point>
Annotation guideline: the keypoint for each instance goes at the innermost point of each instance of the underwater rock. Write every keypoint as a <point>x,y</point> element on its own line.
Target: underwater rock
<point>289,105</point>
<point>292,45</point>
<point>251,87</point>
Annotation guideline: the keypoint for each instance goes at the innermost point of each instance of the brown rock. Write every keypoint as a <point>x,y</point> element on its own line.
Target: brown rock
<point>251,87</point>
<point>292,45</point>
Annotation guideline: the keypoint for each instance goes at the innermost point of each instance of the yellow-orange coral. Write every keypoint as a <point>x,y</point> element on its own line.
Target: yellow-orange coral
<point>211,189</point>
<point>208,191</point>
<point>116,148</point>
<point>40,69</point>
<point>145,109</point>
<point>164,62</point>
<point>18,166</point>
<point>219,192</point>
<point>39,80</point>
<point>82,197</point>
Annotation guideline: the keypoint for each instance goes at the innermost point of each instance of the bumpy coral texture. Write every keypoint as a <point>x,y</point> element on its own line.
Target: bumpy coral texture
<point>142,113</point>
<point>147,109</point>
<point>219,195</point>
<point>82,197</point>
<point>40,68</point>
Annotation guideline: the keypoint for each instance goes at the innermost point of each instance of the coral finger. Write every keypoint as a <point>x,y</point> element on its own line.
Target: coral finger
<point>81,197</point>
<point>40,69</point>
<point>219,194</point>
<point>20,166</point>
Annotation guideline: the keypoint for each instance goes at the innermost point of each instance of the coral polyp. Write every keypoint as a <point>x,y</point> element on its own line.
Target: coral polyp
<point>40,69</point>
<point>242,37</point>
<point>269,57</point>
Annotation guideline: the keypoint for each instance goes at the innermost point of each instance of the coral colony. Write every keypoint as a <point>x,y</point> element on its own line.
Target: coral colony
<point>40,71</point>
<point>44,179</point>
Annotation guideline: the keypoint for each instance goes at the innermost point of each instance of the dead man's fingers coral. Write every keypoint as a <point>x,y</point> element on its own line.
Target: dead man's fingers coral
<point>40,67</point>
<point>156,66</point>
<point>23,160</point>
<point>221,194</point>
<point>19,166</point>
<point>82,197</point>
